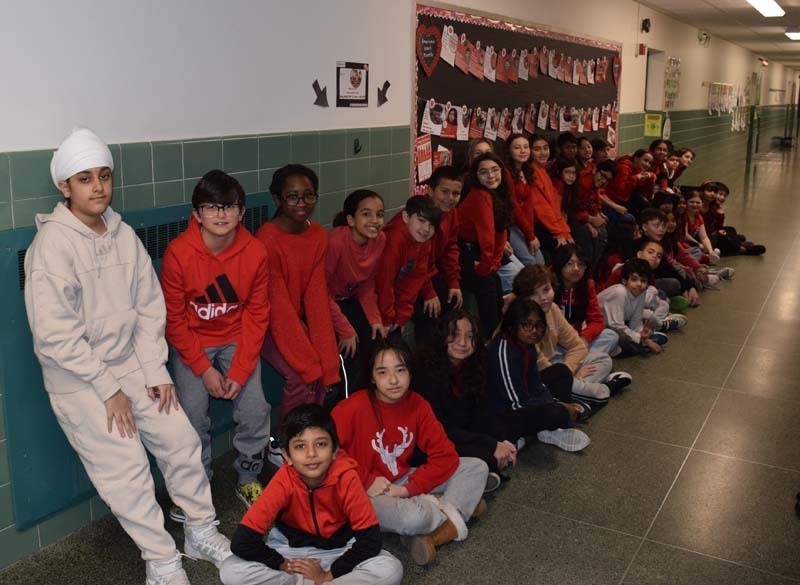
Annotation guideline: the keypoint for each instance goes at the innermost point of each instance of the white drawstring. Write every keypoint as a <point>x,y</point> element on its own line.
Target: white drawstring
<point>344,377</point>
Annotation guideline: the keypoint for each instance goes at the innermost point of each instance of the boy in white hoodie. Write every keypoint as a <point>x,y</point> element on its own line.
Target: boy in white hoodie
<point>97,316</point>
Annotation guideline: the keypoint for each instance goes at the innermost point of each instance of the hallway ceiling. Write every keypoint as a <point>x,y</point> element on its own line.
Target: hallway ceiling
<point>740,23</point>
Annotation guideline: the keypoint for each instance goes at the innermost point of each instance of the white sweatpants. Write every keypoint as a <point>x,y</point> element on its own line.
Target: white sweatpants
<point>119,468</point>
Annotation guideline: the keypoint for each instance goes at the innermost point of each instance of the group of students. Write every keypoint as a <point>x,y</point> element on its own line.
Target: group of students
<point>567,262</point>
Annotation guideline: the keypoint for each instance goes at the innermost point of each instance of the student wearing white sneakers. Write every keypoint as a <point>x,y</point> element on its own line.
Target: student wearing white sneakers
<point>97,316</point>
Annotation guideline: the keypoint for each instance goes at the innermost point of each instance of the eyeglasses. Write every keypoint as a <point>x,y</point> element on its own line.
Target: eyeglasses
<point>213,209</point>
<point>531,325</point>
<point>307,198</point>
<point>487,172</point>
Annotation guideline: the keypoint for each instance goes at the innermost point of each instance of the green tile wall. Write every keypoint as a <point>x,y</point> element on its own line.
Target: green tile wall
<point>150,175</point>
<point>158,174</point>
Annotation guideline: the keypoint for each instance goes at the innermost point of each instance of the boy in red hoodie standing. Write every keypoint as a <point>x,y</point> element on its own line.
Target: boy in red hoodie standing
<point>214,278</point>
<point>404,267</point>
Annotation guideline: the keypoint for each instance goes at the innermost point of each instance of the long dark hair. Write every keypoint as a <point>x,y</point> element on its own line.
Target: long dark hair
<point>571,197</point>
<point>390,343</point>
<point>526,171</point>
<point>501,197</point>
<point>432,357</point>
<point>561,256</point>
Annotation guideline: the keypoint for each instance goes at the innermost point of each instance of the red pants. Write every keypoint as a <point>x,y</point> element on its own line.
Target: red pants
<point>295,391</point>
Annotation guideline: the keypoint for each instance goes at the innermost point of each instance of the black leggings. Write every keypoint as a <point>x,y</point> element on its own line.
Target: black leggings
<point>487,290</point>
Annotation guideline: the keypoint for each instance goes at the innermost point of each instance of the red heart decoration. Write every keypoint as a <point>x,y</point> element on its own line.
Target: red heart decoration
<point>616,68</point>
<point>429,47</point>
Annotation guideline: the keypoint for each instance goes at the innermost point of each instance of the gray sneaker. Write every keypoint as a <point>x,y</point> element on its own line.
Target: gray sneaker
<point>169,572</point>
<point>207,544</point>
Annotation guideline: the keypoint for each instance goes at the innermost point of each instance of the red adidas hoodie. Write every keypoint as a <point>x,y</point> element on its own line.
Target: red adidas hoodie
<point>402,273</point>
<point>215,300</point>
<point>350,271</point>
<point>381,437</point>
<point>298,295</point>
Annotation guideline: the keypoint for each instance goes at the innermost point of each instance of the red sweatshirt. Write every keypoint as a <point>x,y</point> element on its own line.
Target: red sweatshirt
<point>350,271</point>
<point>216,299</point>
<point>476,225</point>
<point>547,205</point>
<point>382,438</point>
<point>443,258</point>
<point>402,273</point>
<point>298,295</point>
<point>524,213</point>
<point>625,181</point>
<point>588,195</point>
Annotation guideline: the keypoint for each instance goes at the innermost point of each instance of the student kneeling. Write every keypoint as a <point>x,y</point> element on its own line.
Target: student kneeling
<point>323,526</point>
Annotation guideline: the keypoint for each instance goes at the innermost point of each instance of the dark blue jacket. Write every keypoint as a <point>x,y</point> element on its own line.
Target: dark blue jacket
<point>513,377</point>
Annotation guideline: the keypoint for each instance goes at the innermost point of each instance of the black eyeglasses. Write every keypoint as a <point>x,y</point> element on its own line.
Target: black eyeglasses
<point>214,209</point>
<point>531,325</point>
<point>307,198</point>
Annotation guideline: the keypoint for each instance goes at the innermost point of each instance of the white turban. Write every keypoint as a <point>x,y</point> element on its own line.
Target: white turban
<point>81,150</point>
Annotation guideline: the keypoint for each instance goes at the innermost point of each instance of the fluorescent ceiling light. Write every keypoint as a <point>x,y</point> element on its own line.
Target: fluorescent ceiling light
<point>795,36</point>
<point>768,8</point>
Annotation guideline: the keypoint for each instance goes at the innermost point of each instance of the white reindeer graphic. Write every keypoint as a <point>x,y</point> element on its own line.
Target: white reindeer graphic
<point>389,456</point>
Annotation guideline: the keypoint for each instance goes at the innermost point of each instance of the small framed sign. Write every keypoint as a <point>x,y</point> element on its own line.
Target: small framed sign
<point>352,85</point>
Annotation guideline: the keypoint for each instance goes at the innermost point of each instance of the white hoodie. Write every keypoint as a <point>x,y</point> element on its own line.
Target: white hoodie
<point>94,305</point>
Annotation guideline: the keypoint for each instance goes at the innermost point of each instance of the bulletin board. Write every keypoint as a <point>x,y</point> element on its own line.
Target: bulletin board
<point>478,76</point>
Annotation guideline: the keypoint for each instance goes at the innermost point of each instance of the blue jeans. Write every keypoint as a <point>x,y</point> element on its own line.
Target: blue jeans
<point>517,240</point>
<point>605,342</point>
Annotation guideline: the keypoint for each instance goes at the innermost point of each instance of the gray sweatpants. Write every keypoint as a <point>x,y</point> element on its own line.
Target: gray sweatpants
<point>591,387</point>
<point>250,412</point>
<point>421,514</point>
<point>383,569</point>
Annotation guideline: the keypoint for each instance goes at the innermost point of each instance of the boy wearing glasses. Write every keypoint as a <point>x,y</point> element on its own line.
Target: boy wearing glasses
<point>214,278</point>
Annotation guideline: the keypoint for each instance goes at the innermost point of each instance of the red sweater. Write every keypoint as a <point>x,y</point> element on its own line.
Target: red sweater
<point>476,225</point>
<point>524,212</point>
<point>298,295</point>
<point>215,300</point>
<point>444,255</point>
<point>625,181</point>
<point>402,273</point>
<point>350,271</point>
<point>382,438</point>
<point>547,205</point>
<point>588,195</point>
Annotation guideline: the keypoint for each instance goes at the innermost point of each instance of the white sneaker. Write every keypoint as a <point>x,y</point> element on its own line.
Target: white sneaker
<point>567,439</point>
<point>274,454</point>
<point>169,572</point>
<point>207,544</point>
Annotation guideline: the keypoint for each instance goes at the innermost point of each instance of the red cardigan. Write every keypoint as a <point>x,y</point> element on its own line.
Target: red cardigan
<point>215,300</point>
<point>547,204</point>
<point>381,437</point>
<point>476,225</point>
<point>301,323</point>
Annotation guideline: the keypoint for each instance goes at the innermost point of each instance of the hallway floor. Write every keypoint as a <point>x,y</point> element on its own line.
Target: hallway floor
<point>692,472</point>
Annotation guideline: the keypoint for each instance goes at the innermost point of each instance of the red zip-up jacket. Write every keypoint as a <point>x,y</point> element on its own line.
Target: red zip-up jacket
<point>215,300</point>
<point>625,181</point>
<point>298,295</point>
<point>476,225</point>
<point>443,257</point>
<point>547,204</point>
<point>382,437</point>
<point>402,273</point>
<point>592,322</point>
<point>350,271</point>
<point>325,517</point>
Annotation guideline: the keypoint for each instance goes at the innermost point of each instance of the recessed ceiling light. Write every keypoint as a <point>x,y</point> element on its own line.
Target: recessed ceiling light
<point>768,8</point>
<point>793,33</point>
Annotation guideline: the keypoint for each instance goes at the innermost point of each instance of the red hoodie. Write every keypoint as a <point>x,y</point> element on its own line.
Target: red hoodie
<point>583,314</point>
<point>350,271</point>
<point>476,225</point>
<point>402,273</point>
<point>298,295</point>
<point>547,205</point>
<point>524,212</point>
<point>443,258</point>
<point>215,300</point>
<point>382,438</point>
<point>588,195</point>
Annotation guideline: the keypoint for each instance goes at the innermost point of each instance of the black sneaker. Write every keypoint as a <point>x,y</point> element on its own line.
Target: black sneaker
<point>616,381</point>
<point>754,250</point>
<point>492,482</point>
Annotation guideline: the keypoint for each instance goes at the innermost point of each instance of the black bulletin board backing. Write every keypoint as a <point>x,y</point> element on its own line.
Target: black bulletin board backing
<point>449,84</point>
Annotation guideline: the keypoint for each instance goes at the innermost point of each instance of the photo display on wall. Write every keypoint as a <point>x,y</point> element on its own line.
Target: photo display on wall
<point>480,77</point>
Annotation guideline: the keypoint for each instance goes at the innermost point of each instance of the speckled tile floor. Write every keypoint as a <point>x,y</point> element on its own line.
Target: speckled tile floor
<point>690,479</point>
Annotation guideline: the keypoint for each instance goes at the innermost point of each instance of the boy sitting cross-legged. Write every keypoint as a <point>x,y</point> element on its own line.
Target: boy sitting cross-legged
<point>323,527</point>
